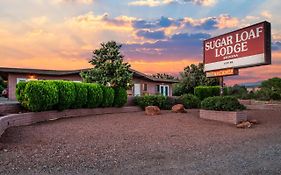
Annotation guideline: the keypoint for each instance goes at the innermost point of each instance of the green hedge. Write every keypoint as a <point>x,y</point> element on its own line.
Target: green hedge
<point>222,103</point>
<point>95,95</point>
<point>66,94</point>
<point>189,101</point>
<point>161,101</point>
<point>41,95</point>
<point>20,87</point>
<point>120,97</point>
<point>203,92</point>
<point>49,95</point>
<point>81,92</point>
<point>108,96</point>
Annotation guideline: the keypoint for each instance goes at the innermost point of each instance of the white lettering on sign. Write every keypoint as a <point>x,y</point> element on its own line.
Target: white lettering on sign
<point>227,46</point>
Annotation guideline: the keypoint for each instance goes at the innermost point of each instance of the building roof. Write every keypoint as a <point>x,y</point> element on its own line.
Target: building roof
<point>39,71</point>
<point>73,72</point>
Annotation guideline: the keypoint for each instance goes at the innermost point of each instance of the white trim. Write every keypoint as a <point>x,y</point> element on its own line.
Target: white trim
<point>137,89</point>
<point>236,63</point>
<point>164,90</point>
<point>21,79</point>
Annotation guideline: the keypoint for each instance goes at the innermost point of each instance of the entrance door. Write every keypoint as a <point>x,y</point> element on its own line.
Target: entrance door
<point>137,89</point>
<point>164,90</point>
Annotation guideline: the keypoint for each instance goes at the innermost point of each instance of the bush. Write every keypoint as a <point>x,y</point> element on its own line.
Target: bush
<point>222,103</point>
<point>40,95</point>
<point>267,94</point>
<point>66,94</point>
<point>20,87</point>
<point>81,92</point>
<point>120,97</point>
<point>275,96</point>
<point>169,103</point>
<point>161,101</point>
<point>108,96</point>
<point>95,95</point>
<point>189,101</point>
<point>1,89</point>
<point>203,92</point>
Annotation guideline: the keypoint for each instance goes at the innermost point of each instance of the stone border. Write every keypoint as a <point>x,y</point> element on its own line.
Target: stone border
<point>23,119</point>
<point>273,107</point>
<point>232,117</point>
<point>10,108</point>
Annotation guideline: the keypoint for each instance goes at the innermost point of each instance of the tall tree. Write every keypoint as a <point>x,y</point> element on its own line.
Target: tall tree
<point>109,67</point>
<point>192,76</point>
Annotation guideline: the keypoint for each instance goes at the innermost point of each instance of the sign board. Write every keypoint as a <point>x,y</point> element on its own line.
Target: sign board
<point>224,72</point>
<point>246,47</point>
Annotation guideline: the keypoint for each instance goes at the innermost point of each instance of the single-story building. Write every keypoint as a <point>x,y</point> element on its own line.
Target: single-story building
<point>251,86</point>
<point>142,83</point>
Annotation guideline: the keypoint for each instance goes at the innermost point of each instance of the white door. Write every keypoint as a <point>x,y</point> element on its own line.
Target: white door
<point>164,90</point>
<point>137,89</point>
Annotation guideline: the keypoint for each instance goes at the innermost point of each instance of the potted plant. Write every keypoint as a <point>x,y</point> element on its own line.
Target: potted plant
<point>223,108</point>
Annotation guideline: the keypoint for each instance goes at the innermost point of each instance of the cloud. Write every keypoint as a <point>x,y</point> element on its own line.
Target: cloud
<point>150,3</point>
<point>155,3</point>
<point>266,14</point>
<point>176,47</point>
<point>151,34</point>
<point>73,1</point>
<point>276,46</point>
<point>227,21</point>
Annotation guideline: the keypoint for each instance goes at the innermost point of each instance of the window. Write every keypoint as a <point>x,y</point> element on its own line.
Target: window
<point>21,79</point>
<point>144,87</point>
<point>164,90</point>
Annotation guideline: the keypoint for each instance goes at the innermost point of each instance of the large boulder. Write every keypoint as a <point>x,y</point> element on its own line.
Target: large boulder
<point>254,121</point>
<point>245,124</point>
<point>152,110</point>
<point>178,108</point>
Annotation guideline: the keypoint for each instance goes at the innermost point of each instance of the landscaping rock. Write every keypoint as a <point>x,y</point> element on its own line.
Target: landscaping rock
<point>254,121</point>
<point>245,124</point>
<point>178,108</point>
<point>152,110</point>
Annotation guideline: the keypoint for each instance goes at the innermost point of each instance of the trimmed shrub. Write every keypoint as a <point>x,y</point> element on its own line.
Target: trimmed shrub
<point>20,87</point>
<point>40,95</point>
<point>95,95</point>
<point>222,103</point>
<point>120,97</point>
<point>66,94</point>
<point>154,100</point>
<point>108,96</point>
<point>81,92</point>
<point>203,92</point>
<point>189,101</point>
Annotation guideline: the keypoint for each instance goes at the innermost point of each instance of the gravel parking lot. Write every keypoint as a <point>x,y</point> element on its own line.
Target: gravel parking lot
<point>133,143</point>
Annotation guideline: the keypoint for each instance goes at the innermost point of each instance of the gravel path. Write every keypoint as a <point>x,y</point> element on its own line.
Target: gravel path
<point>133,143</point>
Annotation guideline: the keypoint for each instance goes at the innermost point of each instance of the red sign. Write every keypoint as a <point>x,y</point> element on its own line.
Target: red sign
<point>250,46</point>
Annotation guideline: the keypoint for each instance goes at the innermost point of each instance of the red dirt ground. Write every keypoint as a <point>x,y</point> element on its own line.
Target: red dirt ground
<point>133,143</point>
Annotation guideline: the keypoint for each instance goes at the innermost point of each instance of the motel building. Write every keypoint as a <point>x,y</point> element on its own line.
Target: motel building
<point>142,83</point>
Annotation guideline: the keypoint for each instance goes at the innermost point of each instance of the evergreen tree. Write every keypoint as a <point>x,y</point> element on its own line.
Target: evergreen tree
<point>109,67</point>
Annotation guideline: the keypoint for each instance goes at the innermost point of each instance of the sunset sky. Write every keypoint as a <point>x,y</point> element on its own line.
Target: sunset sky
<point>157,35</point>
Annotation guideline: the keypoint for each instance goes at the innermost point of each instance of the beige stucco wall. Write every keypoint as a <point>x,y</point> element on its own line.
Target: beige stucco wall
<point>151,86</point>
<point>12,81</point>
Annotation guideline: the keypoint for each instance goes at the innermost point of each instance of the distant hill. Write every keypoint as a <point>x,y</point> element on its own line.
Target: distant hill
<point>251,85</point>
